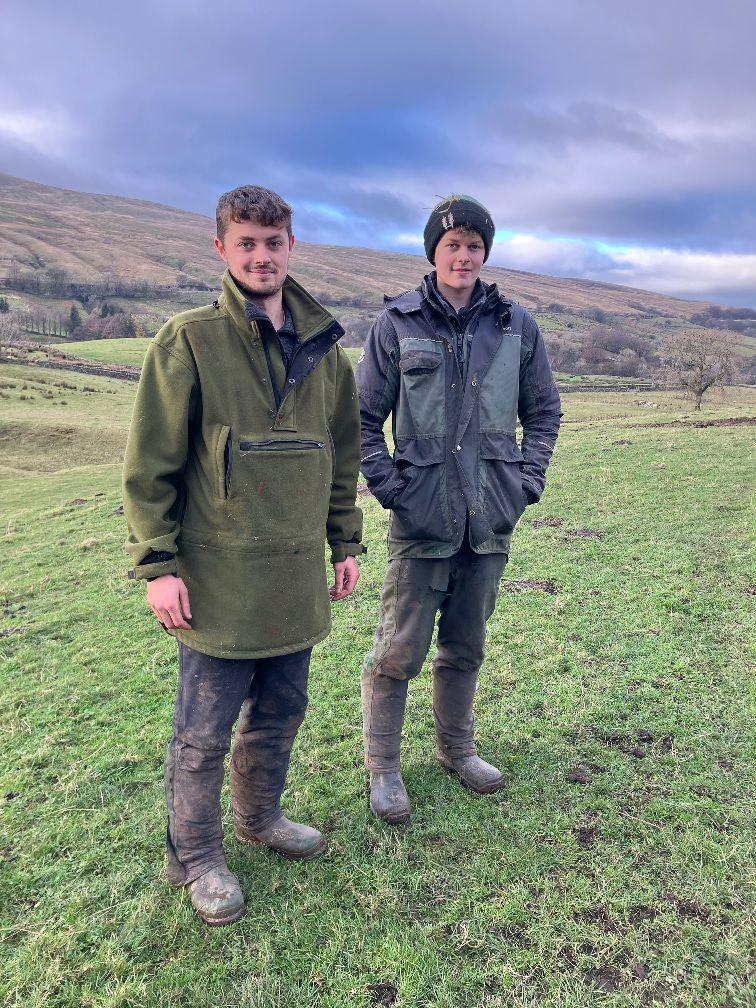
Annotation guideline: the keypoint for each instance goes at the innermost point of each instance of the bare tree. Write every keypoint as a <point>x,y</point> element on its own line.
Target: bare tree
<point>9,328</point>
<point>700,361</point>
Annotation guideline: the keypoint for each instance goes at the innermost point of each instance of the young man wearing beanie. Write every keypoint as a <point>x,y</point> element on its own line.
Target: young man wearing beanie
<point>455,363</point>
<point>242,461</point>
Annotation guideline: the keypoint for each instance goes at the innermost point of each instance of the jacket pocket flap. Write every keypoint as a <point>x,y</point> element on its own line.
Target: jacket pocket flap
<point>501,447</point>
<point>419,451</point>
<point>419,362</point>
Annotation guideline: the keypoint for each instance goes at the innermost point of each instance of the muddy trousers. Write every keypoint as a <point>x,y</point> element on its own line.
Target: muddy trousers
<point>268,699</point>
<point>463,589</point>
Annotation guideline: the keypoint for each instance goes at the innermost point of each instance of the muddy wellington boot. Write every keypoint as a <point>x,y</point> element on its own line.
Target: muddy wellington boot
<point>453,698</point>
<point>383,703</point>
<point>292,840</point>
<point>217,897</point>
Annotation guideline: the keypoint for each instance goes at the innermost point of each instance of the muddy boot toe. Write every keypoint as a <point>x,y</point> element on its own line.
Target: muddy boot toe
<point>388,797</point>
<point>474,773</point>
<point>217,897</point>
<point>290,839</point>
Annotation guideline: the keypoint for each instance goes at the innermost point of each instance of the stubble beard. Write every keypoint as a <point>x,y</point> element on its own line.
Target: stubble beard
<point>262,289</point>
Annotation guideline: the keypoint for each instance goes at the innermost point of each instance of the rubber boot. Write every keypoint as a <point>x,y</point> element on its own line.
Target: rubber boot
<point>384,700</point>
<point>291,840</point>
<point>453,699</point>
<point>217,897</point>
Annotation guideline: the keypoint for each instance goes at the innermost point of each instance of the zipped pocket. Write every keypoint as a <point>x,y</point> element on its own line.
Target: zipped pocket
<point>289,445</point>
<point>223,461</point>
<point>228,461</point>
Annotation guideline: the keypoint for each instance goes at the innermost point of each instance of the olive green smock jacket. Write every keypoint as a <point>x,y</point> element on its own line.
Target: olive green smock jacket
<point>242,489</point>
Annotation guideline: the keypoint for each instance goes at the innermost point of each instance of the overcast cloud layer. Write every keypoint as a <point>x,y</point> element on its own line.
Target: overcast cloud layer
<point>611,141</point>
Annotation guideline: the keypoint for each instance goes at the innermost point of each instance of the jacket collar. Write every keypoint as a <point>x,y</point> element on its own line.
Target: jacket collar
<point>412,300</point>
<point>309,317</point>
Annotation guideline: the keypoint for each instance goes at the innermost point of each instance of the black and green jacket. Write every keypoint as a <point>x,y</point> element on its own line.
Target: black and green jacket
<point>237,471</point>
<point>456,463</point>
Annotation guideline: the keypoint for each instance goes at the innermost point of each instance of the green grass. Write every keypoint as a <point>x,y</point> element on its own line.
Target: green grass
<point>626,890</point>
<point>132,351</point>
<point>112,351</point>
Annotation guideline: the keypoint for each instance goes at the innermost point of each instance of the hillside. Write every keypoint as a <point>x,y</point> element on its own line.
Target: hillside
<point>144,262</point>
<point>90,235</point>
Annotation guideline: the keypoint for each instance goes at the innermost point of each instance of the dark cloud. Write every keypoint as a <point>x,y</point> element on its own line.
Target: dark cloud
<point>565,116</point>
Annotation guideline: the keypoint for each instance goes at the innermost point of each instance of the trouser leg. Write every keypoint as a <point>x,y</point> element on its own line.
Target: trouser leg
<point>409,604</point>
<point>384,700</point>
<point>268,724</point>
<point>210,694</point>
<point>465,612</point>
<point>453,701</point>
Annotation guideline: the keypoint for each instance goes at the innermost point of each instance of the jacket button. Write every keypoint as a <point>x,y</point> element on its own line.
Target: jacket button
<point>292,381</point>
<point>310,360</point>
<point>473,383</point>
<point>472,514</point>
<point>458,448</point>
<point>453,385</point>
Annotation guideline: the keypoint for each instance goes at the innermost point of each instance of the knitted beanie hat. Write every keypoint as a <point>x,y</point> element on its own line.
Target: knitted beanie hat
<point>458,211</point>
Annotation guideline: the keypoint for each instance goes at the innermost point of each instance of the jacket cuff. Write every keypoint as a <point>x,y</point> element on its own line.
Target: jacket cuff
<point>147,571</point>
<point>341,550</point>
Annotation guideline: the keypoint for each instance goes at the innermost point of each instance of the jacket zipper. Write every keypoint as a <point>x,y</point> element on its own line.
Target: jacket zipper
<point>247,446</point>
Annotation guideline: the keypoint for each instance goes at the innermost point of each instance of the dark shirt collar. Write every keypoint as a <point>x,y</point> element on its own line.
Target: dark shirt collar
<point>435,296</point>
<point>288,322</point>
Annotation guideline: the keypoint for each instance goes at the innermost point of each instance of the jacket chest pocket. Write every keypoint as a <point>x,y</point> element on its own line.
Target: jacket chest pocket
<point>422,397</point>
<point>279,488</point>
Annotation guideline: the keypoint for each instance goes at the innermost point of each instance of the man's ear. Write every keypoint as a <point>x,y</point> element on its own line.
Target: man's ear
<point>220,249</point>
<point>292,242</point>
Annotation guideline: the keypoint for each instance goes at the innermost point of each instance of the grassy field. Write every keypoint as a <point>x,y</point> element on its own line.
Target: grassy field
<point>129,351</point>
<point>132,351</point>
<point>112,351</point>
<point>615,696</point>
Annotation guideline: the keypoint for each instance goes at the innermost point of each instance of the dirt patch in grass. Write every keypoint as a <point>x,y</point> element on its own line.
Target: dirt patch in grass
<point>606,978</point>
<point>723,422</point>
<point>596,915</point>
<point>689,909</point>
<point>628,743</point>
<point>641,912</point>
<point>518,586</point>
<point>586,836</point>
<point>579,774</point>
<point>547,522</point>
<point>383,994</point>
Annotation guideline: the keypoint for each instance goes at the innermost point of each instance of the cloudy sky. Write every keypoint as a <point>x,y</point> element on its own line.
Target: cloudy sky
<point>610,140</point>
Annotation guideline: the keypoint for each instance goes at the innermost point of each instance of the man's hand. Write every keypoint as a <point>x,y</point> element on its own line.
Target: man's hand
<point>168,598</point>
<point>346,574</point>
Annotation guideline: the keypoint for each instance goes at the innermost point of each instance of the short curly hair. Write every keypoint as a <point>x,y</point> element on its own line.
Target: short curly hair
<point>252,203</point>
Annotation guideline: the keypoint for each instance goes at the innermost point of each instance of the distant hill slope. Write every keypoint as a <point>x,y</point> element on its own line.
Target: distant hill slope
<point>90,236</point>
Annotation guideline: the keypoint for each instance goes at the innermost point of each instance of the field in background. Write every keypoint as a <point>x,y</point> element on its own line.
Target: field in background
<point>613,695</point>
